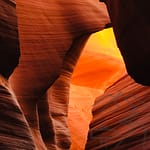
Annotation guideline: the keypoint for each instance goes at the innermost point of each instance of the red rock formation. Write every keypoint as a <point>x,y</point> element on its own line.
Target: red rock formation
<point>121,118</point>
<point>14,130</point>
<point>52,36</point>
<point>48,32</point>
<point>59,96</point>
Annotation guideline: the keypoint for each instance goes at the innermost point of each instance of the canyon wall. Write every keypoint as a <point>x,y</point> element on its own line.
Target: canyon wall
<point>14,129</point>
<point>52,35</point>
<point>121,118</point>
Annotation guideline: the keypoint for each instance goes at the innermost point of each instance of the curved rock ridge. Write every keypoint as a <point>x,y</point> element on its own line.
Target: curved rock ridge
<point>14,130</point>
<point>121,118</point>
<point>130,21</point>
<point>49,31</point>
<point>9,43</point>
<point>58,103</point>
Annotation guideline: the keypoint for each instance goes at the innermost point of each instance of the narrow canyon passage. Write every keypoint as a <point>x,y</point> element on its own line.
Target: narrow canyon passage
<point>68,81</point>
<point>99,66</point>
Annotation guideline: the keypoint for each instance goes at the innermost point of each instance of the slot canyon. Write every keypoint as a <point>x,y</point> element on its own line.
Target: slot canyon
<point>74,75</point>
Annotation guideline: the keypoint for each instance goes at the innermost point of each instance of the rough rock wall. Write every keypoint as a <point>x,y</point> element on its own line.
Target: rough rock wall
<point>121,118</point>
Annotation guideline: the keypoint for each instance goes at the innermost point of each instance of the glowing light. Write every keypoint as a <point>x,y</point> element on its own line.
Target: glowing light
<point>103,42</point>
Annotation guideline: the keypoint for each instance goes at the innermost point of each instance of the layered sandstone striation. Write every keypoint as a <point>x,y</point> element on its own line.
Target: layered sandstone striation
<point>52,36</point>
<point>121,117</point>
<point>14,129</point>
<point>50,32</point>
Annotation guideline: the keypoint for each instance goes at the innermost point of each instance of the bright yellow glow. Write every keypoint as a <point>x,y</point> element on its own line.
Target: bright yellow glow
<point>100,63</point>
<point>103,42</point>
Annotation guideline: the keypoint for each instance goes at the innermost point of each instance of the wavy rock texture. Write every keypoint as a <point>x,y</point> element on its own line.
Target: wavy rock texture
<point>14,130</point>
<point>121,118</point>
<point>40,52</point>
<point>58,96</point>
<point>130,20</point>
<point>52,35</point>
<point>90,63</point>
<point>48,31</point>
